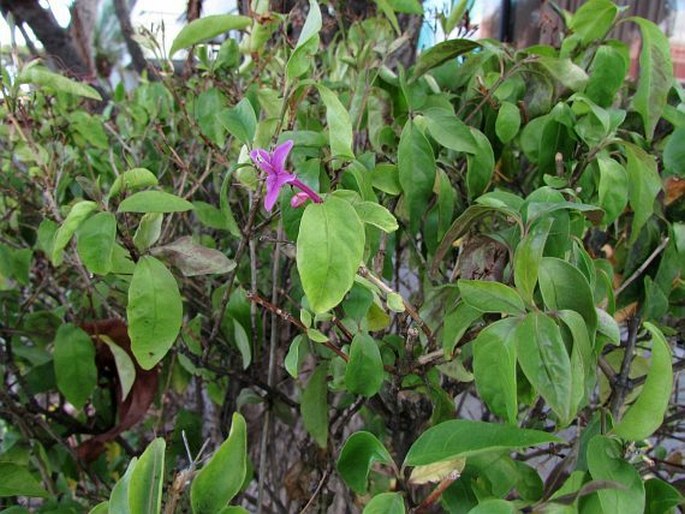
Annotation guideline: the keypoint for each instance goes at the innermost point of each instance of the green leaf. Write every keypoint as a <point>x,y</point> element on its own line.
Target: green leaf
<point>395,302</point>
<point>222,477</point>
<point>407,6</point>
<point>241,122</point>
<point>314,405</point>
<point>656,75</point>
<point>154,311</point>
<point>330,247</point>
<point>149,230</point>
<point>16,480</point>
<point>416,165</point>
<point>508,122</point>
<point>100,508</point>
<point>385,503</point>
<point>126,369</point>
<point>644,185</point>
<point>307,43</point>
<point>645,416</point>
<point>193,259</point>
<point>96,238</point>
<point>118,499</point>
<point>564,286</point>
<point>242,341</point>
<point>582,361</point>
<point>450,131</point>
<point>154,201</point>
<point>565,71</point>
<point>607,73</point>
<point>466,438</point>
<point>364,371</point>
<point>145,486</point>
<point>528,257</point>
<point>613,188</point>
<point>206,28</point>
<point>605,462</point>
<point>225,207</point>
<point>494,367</point>
<point>662,497</point>
<point>43,77</point>
<point>440,53</point>
<point>74,360</point>
<point>456,324</point>
<point>135,178</point>
<point>488,296</point>
<point>339,124</point>
<point>375,214</point>
<point>544,360</point>
<point>674,152</point>
<point>593,20</point>
<point>493,506</point>
<point>480,165</point>
<point>357,456</point>
<point>78,213</point>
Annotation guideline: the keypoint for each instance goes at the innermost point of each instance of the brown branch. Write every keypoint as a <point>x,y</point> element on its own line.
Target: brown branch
<point>137,58</point>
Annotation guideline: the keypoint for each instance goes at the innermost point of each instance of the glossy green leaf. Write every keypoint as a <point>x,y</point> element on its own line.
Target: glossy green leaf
<point>488,296</point>
<point>312,24</point>
<point>96,238</point>
<point>494,367</point>
<point>78,213</point>
<point>307,43</point>
<point>74,361</point>
<point>130,180</point>
<point>674,152</point>
<point>154,201</point>
<point>147,479</point>
<point>661,497</point>
<point>357,456</point>
<point>563,286</point>
<point>607,73</point>
<point>154,311</point>
<point>193,259</point>
<point>493,506</point>
<point>126,369</point>
<point>593,20</point>
<point>613,188</point>
<point>606,462</point>
<point>450,131</point>
<point>544,360</point>
<point>40,76</point>
<point>149,230</point>
<point>644,185</point>
<point>456,324</point>
<point>118,498</point>
<point>465,438</point>
<point>314,406</point>
<point>508,122</point>
<point>416,165</point>
<point>582,361</point>
<point>480,165</point>
<point>339,124</point>
<point>528,257</point>
<point>222,477</point>
<point>364,371</point>
<point>330,247</point>
<point>565,71</point>
<point>441,53</point>
<point>645,416</point>
<point>656,75</point>
<point>16,480</point>
<point>375,214</point>
<point>206,28</point>
<point>241,122</point>
<point>385,503</point>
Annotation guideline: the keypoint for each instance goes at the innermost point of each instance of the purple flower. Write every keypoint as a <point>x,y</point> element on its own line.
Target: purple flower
<point>273,164</point>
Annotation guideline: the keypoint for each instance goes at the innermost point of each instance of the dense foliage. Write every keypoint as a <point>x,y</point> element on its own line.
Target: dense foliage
<point>468,295</point>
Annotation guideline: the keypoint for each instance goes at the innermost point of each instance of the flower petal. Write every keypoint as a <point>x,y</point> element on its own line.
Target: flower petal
<point>262,159</point>
<point>280,155</point>
<point>274,184</point>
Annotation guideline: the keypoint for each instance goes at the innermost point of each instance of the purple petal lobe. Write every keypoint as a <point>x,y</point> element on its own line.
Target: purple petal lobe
<point>280,155</point>
<point>299,199</point>
<point>274,184</point>
<point>262,159</point>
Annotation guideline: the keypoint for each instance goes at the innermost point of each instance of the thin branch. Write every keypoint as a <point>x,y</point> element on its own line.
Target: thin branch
<point>642,267</point>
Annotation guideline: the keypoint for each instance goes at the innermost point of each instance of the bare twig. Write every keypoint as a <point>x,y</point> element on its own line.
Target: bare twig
<point>642,267</point>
